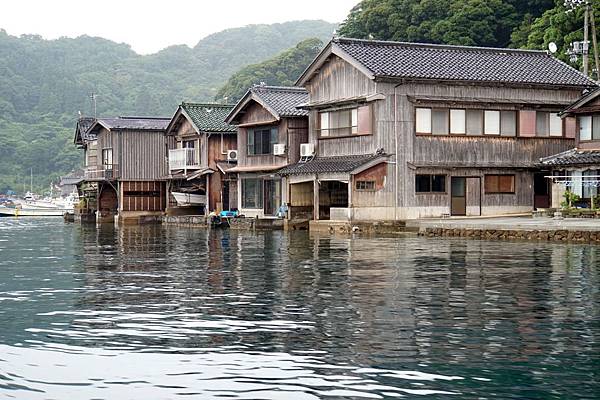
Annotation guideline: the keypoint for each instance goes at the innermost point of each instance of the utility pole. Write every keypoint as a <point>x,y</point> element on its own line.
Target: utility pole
<point>585,38</point>
<point>93,98</point>
<point>595,43</point>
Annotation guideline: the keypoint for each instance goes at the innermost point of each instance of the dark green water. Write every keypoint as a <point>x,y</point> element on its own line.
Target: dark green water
<point>161,312</point>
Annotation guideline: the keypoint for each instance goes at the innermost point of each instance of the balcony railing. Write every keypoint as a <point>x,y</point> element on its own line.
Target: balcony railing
<point>102,172</point>
<point>183,159</point>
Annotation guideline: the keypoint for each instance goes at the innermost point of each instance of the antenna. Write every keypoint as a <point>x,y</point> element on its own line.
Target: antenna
<point>552,47</point>
<point>93,98</point>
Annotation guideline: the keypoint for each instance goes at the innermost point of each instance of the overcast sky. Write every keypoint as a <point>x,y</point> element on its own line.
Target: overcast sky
<point>151,25</point>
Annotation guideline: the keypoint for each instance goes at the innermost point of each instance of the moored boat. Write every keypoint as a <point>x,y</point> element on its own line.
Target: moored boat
<point>189,199</point>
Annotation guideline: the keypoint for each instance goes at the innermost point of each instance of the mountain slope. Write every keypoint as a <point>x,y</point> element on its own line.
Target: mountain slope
<point>44,83</point>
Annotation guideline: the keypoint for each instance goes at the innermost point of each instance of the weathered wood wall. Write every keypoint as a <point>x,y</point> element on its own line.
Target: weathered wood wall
<point>140,155</point>
<point>143,196</point>
<point>290,131</point>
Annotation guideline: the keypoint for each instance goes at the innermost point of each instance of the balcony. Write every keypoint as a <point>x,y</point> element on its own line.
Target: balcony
<point>102,172</point>
<point>184,159</point>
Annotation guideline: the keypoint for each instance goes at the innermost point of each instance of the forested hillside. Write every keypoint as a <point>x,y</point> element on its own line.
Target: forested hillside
<point>43,84</point>
<point>281,70</point>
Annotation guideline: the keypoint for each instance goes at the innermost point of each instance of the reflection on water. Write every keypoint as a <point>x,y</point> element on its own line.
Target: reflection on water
<point>160,312</point>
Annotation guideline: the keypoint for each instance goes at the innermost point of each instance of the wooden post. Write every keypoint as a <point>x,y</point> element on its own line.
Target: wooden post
<point>316,198</point>
<point>349,210</point>
<point>595,43</point>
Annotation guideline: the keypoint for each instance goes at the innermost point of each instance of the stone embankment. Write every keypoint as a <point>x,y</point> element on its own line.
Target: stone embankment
<point>560,235</point>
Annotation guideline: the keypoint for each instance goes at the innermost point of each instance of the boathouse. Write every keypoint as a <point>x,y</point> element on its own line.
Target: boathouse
<point>202,148</point>
<point>270,132</point>
<point>406,130</point>
<point>125,166</point>
<point>578,169</point>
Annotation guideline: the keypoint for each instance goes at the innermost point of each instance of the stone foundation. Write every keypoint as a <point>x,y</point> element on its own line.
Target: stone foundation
<point>559,235</point>
<point>186,220</point>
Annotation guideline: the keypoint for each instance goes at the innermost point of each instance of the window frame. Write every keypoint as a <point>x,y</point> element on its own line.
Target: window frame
<point>354,115</point>
<point>498,191</point>
<point>431,178</point>
<point>105,152</point>
<point>364,182</point>
<point>273,139</point>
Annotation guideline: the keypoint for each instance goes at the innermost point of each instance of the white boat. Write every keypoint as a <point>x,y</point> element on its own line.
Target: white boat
<point>189,199</point>
<point>19,211</point>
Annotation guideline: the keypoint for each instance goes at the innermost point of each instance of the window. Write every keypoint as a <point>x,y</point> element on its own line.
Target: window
<point>423,120</point>
<point>365,185</point>
<point>439,121</point>
<point>107,158</point>
<point>252,193</point>
<point>585,128</point>
<point>499,184</point>
<point>352,121</point>
<point>261,141</point>
<point>430,183</point>
<point>541,124</point>
<point>508,123</point>
<point>492,122</point>
<point>457,122</point>
<point>596,127</point>
<point>556,126</point>
<point>474,122</point>
<point>188,144</point>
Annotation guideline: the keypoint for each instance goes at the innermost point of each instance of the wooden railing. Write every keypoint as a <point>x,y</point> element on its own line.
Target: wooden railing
<point>102,172</point>
<point>183,159</point>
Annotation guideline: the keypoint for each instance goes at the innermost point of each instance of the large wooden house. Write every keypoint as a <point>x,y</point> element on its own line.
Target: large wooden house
<point>201,151</point>
<point>404,130</point>
<point>270,131</point>
<point>125,166</point>
<point>578,169</point>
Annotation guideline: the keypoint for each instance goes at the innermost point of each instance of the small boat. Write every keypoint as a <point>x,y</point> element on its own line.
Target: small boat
<point>19,211</point>
<point>189,199</point>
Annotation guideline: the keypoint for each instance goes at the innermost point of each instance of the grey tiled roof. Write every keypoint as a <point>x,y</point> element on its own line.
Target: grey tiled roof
<point>135,123</point>
<point>443,62</point>
<point>573,157</point>
<point>282,99</point>
<point>82,129</point>
<point>209,117</point>
<point>329,164</point>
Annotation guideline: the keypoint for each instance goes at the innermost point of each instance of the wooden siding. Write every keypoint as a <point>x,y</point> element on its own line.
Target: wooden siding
<point>140,155</point>
<point>484,151</point>
<point>381,196</point>
<point>290,131</point>
<point>217,151</point>
<point>523,195</point>
<point>143,196</point>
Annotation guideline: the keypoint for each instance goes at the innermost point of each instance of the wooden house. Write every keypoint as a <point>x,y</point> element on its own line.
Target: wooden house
<point>125,166</point>
<point>202,148</point>
<point>405,130</point>
<point>270,131</point>
<point>578,169</point>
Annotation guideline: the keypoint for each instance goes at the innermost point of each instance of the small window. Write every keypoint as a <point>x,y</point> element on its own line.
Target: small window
<point>542,124</point>
<point>499,184</point>
<point>439,122</point>
<point>596,127</point>
<point>423,123</point>
<point>352,121</point>
<point>492,122</point>
<point>365,185</point>
<point>474,122</point>
<point>457,122</point>
<point>261,141</point>
<point>556,126</point>
<point>430,183</point>
<point>188,144</point>
<point>324,124</point>
<point>585,128</point>
<point>107,158</point>
<point>508,123</point>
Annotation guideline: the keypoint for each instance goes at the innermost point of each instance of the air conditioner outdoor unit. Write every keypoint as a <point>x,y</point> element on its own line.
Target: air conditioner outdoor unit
<point>232,155</point>
<point>307,149</point>
<point>279,149</point>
